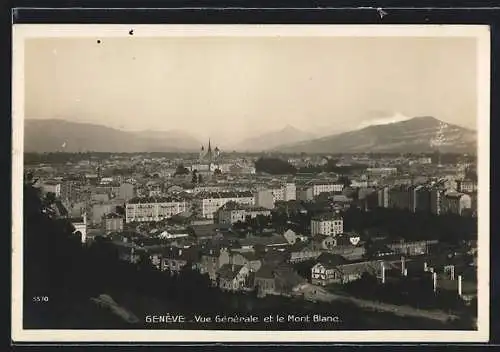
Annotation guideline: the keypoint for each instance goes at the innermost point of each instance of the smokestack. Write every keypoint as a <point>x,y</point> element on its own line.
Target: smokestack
<point>460,285</point>
<point>434,281</point>
<point>425,266</point>
<point>383,273</point>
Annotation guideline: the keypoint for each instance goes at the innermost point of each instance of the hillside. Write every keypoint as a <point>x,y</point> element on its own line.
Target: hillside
<point>271,140</point>
<point>52,135</point>
<point>417,135</point>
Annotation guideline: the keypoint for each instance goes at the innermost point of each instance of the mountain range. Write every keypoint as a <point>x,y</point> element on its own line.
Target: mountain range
<point>271,140</point>
<point>417,135</point>
<point>60,135</point>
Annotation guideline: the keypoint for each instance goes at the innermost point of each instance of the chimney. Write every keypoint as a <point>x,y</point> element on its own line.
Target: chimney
<point>403,265</point>
<point>452,272</point>
<point>383,272</point>
<point>460,286</point>
<point>425,266</point>
<point>434,281</point>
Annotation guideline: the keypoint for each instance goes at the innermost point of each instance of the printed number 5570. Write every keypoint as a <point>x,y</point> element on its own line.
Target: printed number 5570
<point>38,299</point>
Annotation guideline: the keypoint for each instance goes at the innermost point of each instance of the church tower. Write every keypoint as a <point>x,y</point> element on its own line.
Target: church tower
<point>209,152</point>
<point>202,152</point>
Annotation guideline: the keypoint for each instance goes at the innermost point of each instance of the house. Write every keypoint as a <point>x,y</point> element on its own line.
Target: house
<point>264,281</point>
<point>292,237</point>
<point>327,224</point>
<point>233,277</point>
<point>323,242</point>
<point>248,259</point>
<point>112,223</point>
<point>348,251</point>
<point>175,259</point>
<point>301,252</point>
<point>325,271</point>
<point>212,259</point>
<point>412,247</point>
<point>174,233</point>
<point>274,241</point>
<point>206,232</point>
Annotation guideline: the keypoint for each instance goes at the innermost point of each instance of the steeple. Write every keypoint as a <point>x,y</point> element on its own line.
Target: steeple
<point>209,146</point>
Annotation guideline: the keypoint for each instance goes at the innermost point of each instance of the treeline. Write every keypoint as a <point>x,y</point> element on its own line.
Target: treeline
<point>274,166</point>
<point>278,166</point>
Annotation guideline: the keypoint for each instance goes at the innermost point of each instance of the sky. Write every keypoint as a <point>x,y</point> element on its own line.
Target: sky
<point>231,88</point>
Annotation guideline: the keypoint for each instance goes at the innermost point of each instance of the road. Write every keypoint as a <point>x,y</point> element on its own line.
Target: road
<point>318,293</point>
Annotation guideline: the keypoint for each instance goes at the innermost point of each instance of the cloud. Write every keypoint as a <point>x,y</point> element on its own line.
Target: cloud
<point>381,120</point>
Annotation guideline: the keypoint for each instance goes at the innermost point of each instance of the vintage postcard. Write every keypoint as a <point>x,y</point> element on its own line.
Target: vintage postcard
<point>250,183</point>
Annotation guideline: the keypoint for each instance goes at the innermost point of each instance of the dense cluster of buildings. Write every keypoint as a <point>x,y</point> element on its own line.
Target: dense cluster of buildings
<point>164,209</point>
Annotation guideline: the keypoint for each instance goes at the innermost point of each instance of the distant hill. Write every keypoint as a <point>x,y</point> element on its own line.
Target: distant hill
<point>416,135</point>
<point>52,135</point>
<point>271,140</point>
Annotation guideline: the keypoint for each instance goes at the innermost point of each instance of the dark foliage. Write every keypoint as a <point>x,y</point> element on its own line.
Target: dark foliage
<point>274,166</point>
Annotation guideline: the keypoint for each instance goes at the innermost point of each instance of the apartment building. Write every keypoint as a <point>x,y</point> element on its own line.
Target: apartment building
<point>327,224</point>
<point>231,213</point>
<point>147,209</point>
<point>209,203</point>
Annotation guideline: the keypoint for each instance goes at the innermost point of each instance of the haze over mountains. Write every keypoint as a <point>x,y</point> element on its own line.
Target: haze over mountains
<point>419,134</point>
<point>60,135</point>
<point>271,140</point>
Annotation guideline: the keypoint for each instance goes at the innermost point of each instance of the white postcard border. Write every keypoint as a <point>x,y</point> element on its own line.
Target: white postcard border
<point>22,32</point>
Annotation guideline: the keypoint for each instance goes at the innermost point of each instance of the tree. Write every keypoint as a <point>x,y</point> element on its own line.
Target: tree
<point>181,170</point>
<point>194,178</point>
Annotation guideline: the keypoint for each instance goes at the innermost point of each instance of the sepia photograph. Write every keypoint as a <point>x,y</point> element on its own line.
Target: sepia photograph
<point>244,183</point>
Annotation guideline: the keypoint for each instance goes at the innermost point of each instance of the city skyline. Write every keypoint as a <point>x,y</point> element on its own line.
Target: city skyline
<point>242,86</point>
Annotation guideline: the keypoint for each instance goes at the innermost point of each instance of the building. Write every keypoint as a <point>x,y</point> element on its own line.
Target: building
<point>149,209</point>
<point>233,277</point>
<point>399,197</point>
<point>335,269</point>
<point>466,186</point>
<point>423,199</point>
<point>325,271</point>
<point>212,259</point>
<point>51,187</point>
<point>456,203</point>
<point>284,192</point>
<point>315,188</point>
<point>412,248</point>
<point>248,259</point>
<point>231,213</point>
<point>112,223</point>
<point>264,198</point>
<point>209,203</point>
<point>436,198</point>
<point>383,197</point>
<point>328,225</point>
<point>175,259</point>
<point>98,211</point>
<point>264,281</point>
<point>80,225</point>
<point>382,171</point>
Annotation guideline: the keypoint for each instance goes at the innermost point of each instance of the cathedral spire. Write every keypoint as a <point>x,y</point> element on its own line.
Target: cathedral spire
<point>209,146</point>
